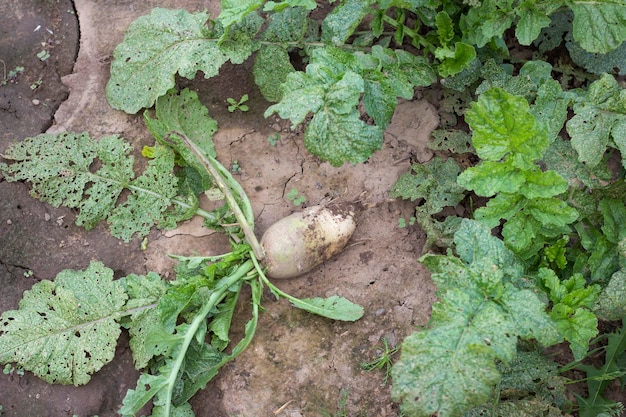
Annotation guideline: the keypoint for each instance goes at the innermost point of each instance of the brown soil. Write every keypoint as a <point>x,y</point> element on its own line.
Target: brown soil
<point>298,364</point>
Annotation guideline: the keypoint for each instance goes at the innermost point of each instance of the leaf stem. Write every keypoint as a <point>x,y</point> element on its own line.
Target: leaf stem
<point>226,184</point>
<point>214,299</point>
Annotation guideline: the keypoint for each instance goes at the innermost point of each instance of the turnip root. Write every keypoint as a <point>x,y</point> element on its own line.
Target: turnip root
<point>298,243</point>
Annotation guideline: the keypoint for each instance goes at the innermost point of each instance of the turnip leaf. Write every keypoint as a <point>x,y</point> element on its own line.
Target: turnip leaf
<point>599,27</point>
<point>599,121</point>
<point>434,181</point>
<point>65,330</point>
<point>335,307</point>
<point>166,42</point>
<point>61,170</point>
<point>450,367</point>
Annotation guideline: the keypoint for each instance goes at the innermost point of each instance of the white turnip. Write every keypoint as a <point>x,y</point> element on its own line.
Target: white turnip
<point>298,243</point>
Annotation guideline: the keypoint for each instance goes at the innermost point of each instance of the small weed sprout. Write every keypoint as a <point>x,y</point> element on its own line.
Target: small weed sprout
<point>402,222</point>
<point>295,198</point>
<point>43,55</point>
<point>383,361</point>
<point>235,168</point>
<point>238,105</point>
<point>274,139</point>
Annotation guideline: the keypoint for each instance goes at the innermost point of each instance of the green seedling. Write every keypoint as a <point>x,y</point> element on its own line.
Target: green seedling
<point>36,84</point>
<point>295,197</point>
<point>274,139</point>
<point>238,105</point>
<point>402,223</point>
<point>43,55</point>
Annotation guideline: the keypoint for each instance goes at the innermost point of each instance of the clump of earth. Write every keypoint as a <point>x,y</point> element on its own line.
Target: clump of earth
<point>298,364</point>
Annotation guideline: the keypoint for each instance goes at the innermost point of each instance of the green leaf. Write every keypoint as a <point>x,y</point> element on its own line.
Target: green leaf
<point>281,5</point>
<point>502,206</point>
<point>339,24</point>
<point>59,168</point>
<point>489,178</point>
<point>338,139</point>
<point>445,28</point>
<point>550,108</point>
<point>301,94</point>
<point>599,121</point>
<point>438,374</point>
<point>486,21</point>
<point>144,208</point>
<point>614,215</point>
<point>389,74</point>
<point>531,21</point>
<point>563,159</point>
<point>184,113</point>
<point>501,124</point>
<point>144,293</point>
<point>271,65</point>
<point>475,242</point>
<point>551,212</point>
<point>166,42</point>
<point>234,11</point>
<point>599,27</point>
<point>335,307</point>
<point>449,367</point>
<point>611,304</point>
<point>454,141</point>
<point>155,48</point>
<point>578,327</point>
<point>65,330</point>
<point>434,181</point>
<point>462,56</point>
<point>542,184</point>
<point>595,63</point>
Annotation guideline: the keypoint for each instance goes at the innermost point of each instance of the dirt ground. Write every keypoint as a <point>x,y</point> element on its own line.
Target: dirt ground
<point>298,364</point>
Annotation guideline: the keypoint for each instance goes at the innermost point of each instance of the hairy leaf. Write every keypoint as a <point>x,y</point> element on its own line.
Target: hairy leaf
<point>144,293</point>
<point>563,159</point>
<point>331,91</point>
<point>166,42</point>
<point>65,330</point>
<point>434,181</point>
<point>59,168</point>
<point>599,27</point>
<point>611,304</point>
<point>531,20</point>
<point>449,367</point>
<point>599,121</point>
<point>339,24</point>
<point>501,124</point>
<point>184,113</point>
<point>595,63</point>
<point>338,139</point>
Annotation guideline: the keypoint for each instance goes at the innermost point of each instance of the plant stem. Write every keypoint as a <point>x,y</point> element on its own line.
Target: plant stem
<point>215,298</point>
<point>220,174</point>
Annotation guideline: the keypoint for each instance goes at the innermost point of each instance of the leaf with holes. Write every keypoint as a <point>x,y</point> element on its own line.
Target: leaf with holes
<point>65,330</point>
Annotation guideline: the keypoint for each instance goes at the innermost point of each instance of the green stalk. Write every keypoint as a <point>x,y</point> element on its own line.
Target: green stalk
<point>215,298</point>
<point>226,183</point>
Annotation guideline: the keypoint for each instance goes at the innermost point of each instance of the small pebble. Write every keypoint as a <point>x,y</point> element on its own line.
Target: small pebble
<point>47,217</point>
<point>9,221</point>
<point>36,102</point>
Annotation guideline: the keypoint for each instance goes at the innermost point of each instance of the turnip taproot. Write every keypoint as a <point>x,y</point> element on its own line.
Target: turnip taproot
<point>303,240</point>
